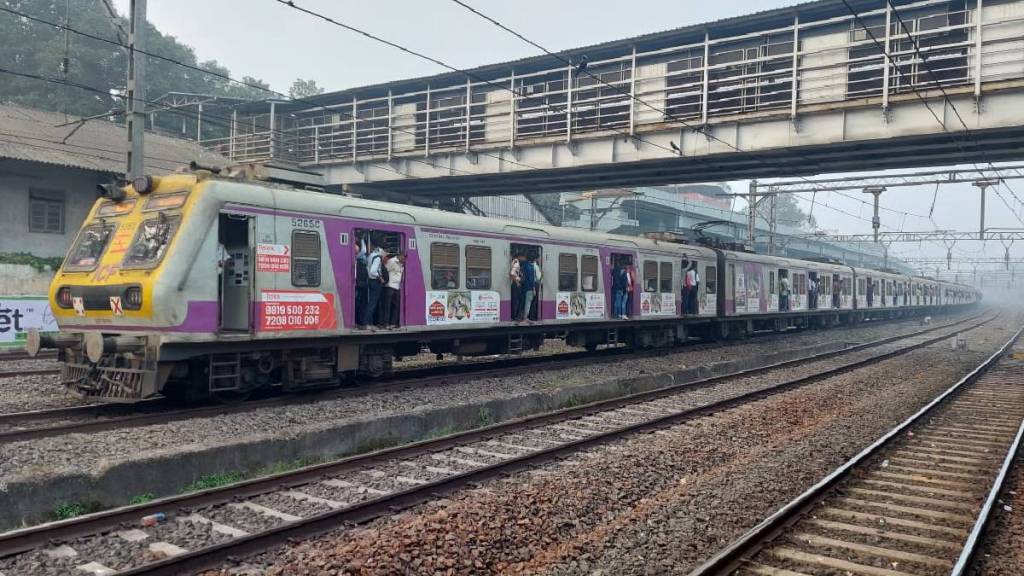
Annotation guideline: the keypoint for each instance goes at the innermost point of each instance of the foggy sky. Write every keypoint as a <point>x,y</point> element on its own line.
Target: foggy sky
<point>267,40</point>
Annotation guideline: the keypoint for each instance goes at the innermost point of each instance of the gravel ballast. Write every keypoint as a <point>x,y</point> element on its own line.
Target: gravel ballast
<point>656,503</point>
<point>1002,549</point>
<point>91,453</point>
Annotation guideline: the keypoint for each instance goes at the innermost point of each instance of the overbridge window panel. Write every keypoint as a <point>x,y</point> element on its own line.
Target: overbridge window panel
<point>665,281</point>
<point>444,266</point>
<point>867,59</point>
<point>540,105</point>
<point>589,266</point>
<point>684,84</point>
<point>478,267</point>
<point>305,258</point>
<point>601,98</point>
<point>650,276</point>
<point>568,273</point>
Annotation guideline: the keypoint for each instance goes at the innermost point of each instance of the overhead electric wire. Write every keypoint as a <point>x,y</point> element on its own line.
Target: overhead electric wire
<point>625,93</point>
<point>945,96</point>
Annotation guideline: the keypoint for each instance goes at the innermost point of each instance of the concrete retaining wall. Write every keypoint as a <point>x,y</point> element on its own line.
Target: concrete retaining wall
<point>33,501</point>
<point>23,280</point>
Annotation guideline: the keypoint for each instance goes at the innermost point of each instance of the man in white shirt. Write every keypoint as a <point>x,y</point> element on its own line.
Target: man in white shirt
<point>392,303</point>
<point>515,277</point>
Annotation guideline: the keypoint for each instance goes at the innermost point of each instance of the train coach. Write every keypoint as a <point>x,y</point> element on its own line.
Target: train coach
<point>193,285</point>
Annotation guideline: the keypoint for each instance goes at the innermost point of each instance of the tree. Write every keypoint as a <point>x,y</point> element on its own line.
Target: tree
<point>304,89</point>
<point>35,48</point>
<point>787,212</point>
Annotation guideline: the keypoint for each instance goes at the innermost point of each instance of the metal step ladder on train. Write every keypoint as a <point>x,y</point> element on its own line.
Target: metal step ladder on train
<point>225,372</point>
<point>516,344</point>
<point>612,339</point>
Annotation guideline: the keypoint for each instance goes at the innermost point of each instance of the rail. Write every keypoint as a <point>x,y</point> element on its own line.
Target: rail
<point>784,70</point>
<point>622,416</point>
<point>733,556</point>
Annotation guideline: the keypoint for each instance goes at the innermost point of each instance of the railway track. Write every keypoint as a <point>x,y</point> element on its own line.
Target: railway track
<point>32,425</point>
<point>205,528</point>
<point>23,373</point>
<point>913,503</point>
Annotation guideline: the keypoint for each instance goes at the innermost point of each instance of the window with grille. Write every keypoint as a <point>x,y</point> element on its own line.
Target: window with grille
<point>46,211</point>
<point>711,279</point>
<point>567,273</point>
<point>771,282</point>
<point>305,258</point>
<point>444,266</point>
<point>650,276</point>
<point>589,270</point>
<point>665,285</point>
<point>478,267</point>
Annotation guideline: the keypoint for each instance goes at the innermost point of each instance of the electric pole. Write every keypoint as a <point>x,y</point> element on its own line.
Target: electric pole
<point>135,105</point>
<point>876,220</point>
<point>983,186</point>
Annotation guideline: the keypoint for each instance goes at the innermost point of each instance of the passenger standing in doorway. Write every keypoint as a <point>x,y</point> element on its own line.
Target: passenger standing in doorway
<point>537,276</point>
<point>529,288</point>
<point>361,282</point>
<point>687,289</point>
<point>695,293</point>
<point>619,281</point>
<point>515,276</point>
<point>812,293</point>
<point>783,293</point>
<point>392,292</point>
<point>630,286</point>
<point>375,283</point>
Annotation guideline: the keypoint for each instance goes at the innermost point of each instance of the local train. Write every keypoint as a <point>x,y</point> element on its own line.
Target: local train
<point>147,304</point>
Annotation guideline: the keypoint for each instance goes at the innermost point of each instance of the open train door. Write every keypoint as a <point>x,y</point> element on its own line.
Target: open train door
<point>234,236</point>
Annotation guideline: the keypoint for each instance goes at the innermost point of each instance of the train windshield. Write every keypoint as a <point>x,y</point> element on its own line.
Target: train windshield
<point>90,246</point>
<point>151,241</point>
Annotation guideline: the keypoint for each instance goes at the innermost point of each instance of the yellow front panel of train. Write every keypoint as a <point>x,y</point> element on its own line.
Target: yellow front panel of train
<point>111,267</point>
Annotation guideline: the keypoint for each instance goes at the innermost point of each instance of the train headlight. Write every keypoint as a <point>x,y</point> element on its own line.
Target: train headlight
<point>145,184</point>
<point>64,297</point>
<point>133,298</point>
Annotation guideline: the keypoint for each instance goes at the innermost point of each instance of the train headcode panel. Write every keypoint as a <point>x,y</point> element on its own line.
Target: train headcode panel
<point>296,310</point>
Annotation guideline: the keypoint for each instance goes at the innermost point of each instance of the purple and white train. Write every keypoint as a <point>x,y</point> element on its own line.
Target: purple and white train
<point>145,308</point>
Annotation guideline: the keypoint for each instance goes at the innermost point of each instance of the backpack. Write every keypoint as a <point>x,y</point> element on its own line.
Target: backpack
<point>384,275</point>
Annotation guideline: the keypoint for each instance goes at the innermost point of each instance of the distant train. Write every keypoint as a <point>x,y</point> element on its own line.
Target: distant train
<point>148,305</point>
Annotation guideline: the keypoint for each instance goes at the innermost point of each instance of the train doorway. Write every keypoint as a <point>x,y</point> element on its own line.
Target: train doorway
<point>625,261</point>
<point>234,263</point>
<point>389,308</point>
<point>534,254</point>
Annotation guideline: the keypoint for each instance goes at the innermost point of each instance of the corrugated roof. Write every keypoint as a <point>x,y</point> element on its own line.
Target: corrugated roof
<point>32,135</point>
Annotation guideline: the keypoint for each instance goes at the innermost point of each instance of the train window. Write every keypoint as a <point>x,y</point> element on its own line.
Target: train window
<point>151,241</point>
<point>650,276</point>
<point>589,270</point>
<point>567,273</point>
<point>860,286</point>
<point>478,267</point>
<point>771,282</point>
<point>444,266</point>
<point>711,279</point>
<point>92,241</point>
<point>665,285</point>
<point>305,258</point>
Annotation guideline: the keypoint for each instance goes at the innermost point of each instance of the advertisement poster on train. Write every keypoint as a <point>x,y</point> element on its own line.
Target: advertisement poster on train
<point>295,310</point>
<point>740,292</point>
<point>19,314</point>
<point>657,304</point>
<point>462,306</point>
<point>708,305</point>
<point>273,258</point>
<point>573,305</point>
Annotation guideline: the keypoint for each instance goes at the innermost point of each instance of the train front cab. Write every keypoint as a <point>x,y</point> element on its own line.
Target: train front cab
<point>107,296</point>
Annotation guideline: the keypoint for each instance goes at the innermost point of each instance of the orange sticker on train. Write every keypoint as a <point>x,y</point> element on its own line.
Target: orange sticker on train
<point>296,310</point>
